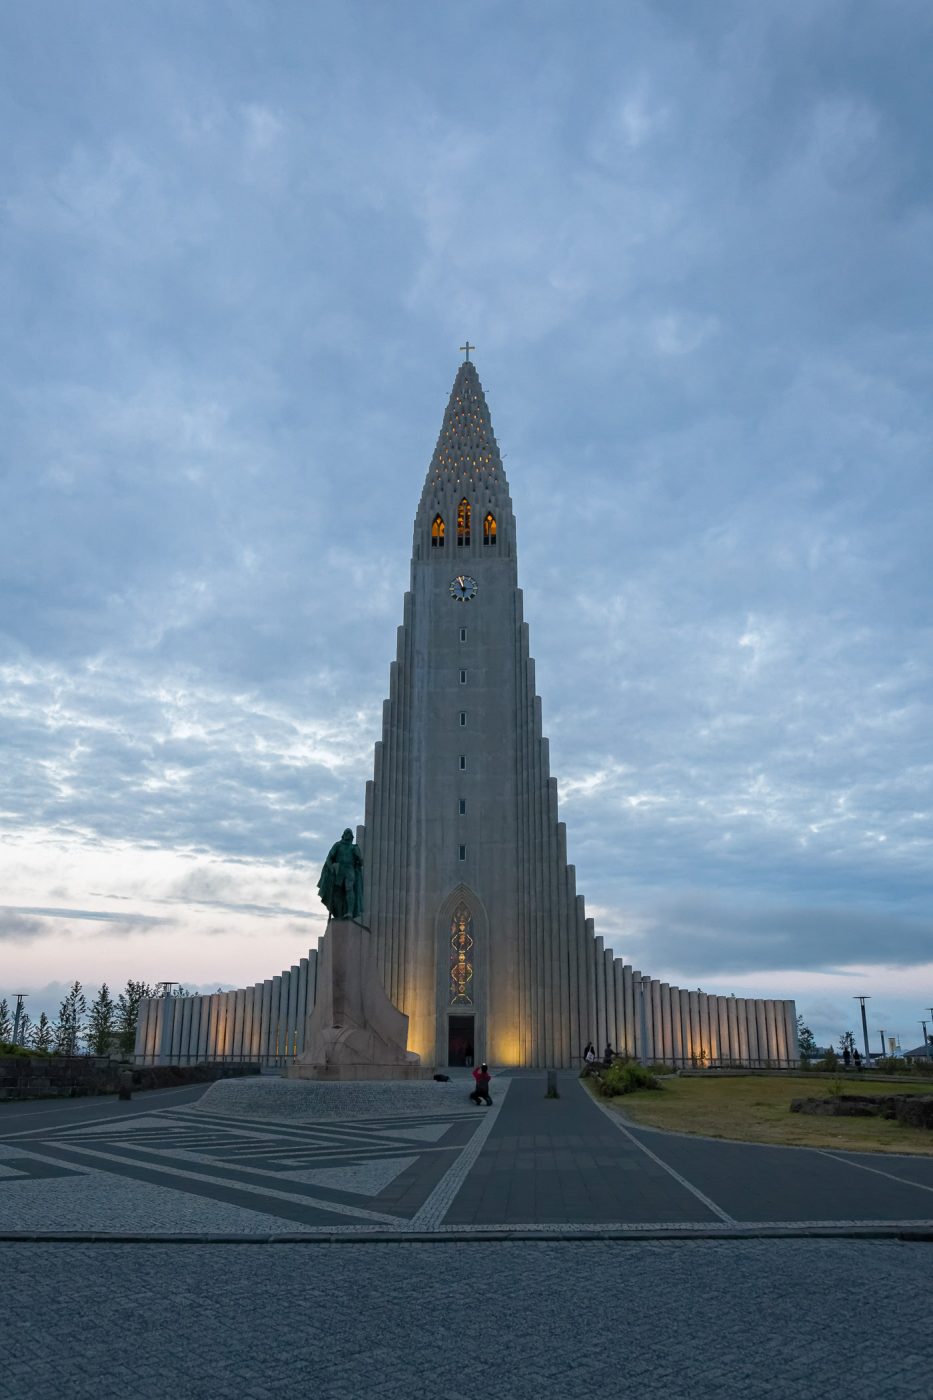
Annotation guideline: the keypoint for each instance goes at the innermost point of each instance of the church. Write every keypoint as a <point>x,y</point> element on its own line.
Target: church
<point>481,937</point>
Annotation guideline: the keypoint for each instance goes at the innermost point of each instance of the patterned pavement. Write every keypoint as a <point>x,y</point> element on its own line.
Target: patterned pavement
<point>528,1165</point>
<point>394,1289</point>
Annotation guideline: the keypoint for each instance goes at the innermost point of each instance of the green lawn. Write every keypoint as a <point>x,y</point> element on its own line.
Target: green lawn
<point>757,1109</point>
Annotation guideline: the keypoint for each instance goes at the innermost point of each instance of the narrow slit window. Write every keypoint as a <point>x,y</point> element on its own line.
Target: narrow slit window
<point>489,529</point>
<point>463,634</point>
<point>463,763</point>
<point>463,522</point>
<point>437,533</point>
<point>463,852</point>
<point>463,677</point>
<point>463,719</point>
<point>463,806</point>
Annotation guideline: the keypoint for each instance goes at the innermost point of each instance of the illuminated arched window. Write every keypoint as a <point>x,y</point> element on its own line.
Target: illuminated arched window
<point>489,529</point>
<point>463,522</point>
<point>460,992</point>
<point>437,533</point>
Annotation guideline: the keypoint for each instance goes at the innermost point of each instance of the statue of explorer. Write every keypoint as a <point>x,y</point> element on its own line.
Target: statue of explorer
<point>341,882</point>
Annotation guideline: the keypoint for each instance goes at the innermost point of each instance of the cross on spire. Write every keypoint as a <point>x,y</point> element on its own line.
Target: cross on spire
<point>467,348</point>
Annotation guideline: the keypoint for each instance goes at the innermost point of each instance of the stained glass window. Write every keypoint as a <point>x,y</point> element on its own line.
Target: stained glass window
<point>461,957</point>
<point>463,522</point>
<point>437,533</point>
<point>489,529</point>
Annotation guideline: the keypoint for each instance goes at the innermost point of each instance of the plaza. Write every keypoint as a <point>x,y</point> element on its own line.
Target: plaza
<point>542,1247</point>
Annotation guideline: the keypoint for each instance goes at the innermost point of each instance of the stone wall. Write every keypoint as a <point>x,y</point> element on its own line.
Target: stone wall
<point>74,1076</point>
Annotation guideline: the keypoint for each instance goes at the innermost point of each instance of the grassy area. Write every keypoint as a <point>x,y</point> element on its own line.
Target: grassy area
<point>757,1109</point>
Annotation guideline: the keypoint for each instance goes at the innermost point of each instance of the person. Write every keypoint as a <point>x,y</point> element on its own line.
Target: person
<point>589,1053</point>
<point>846,1057</point>
<point>482,1078</point>
<point>608,1054</point>
<point>856,1059</point>
<point>468,1054</point>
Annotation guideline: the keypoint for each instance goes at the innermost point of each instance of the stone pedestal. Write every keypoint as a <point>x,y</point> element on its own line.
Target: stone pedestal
<point>354,1030</point>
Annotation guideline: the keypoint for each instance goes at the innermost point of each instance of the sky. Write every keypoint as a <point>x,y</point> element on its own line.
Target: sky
<point>240,244</point>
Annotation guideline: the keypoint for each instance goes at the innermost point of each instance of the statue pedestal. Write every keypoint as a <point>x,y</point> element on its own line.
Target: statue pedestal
<point>354,1030</point>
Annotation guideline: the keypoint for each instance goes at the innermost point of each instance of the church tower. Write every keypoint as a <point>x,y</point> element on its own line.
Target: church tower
<point>483,939</point>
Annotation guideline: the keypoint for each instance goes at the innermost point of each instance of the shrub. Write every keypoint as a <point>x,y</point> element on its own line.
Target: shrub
<point>830,1060</point>
<point>625,1077</point>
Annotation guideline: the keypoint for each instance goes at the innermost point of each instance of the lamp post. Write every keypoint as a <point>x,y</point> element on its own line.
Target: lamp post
<point>862,1001</point>
<point>929,1052</point>
<point>926,1043</point>
<point>883,1051</point>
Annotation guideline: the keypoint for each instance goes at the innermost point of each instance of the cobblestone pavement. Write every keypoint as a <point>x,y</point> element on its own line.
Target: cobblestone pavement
<point>171,1166</point>
<point>497,1321</point>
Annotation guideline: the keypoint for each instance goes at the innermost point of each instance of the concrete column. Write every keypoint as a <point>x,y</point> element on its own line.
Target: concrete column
<point>302,1001</point>
<point>286,978</point>
<point>790,1032</point>
<point>189,1030</point>
<point>592,1029</point>
<point>686,1026</point>
<point>610,983</point>
<point>722,1006</point>
<point>644,1020</point>
<point>677,1035</point>
<point>667,1039</point>
<point>292,1012</point>
<point>762,1021</point>
<point>575,1048</point>
<point>735,1051</point>
<point>628,1009</point>
<point>166,1029</point>
<point>654,1023</point>
<point>696,1030</point>
<point>619,984</point>
<point>703,1007</point>
<point>600,976</point>
<point>265,1013</point>
<point>142,1028</point>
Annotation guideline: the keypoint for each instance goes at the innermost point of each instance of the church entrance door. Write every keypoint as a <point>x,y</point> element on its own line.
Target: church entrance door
<point>460,1041</point>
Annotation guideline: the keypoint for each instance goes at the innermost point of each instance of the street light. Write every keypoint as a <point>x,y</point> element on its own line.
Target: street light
<point>863,1000</point>
<point>883,1051</point>
<point>926,1043</point>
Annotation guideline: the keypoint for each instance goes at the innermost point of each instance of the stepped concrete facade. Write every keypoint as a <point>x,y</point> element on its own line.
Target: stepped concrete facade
<point>480,935</point>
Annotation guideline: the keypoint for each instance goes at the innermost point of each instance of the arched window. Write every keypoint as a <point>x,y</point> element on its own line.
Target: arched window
<point>461,958</point>
<point>489,529</point>
<point>437,533</point>
<point>463,522</point>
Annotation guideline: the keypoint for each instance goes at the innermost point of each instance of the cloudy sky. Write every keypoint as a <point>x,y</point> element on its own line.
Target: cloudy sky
<point>240,244</point>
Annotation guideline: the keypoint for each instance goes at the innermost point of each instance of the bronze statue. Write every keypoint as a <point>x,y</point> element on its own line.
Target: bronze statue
<point>341,882</point>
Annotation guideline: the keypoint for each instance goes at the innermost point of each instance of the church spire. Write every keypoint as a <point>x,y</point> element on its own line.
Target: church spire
<point>466,477</point>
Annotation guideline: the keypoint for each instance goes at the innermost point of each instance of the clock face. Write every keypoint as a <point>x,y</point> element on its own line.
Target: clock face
<point>463,588</point>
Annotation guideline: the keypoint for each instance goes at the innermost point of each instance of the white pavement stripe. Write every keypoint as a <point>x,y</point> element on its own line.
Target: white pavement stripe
<point>331,1207</point>
<point>682,1180</point>
<point>432,1212</point>
<point>902,1180</point>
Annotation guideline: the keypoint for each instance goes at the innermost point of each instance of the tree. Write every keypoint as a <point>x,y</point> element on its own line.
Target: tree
<point>41,1037</point>
<point>102,1023</point>
<point>806,1040</point>
<point>127,1014</point>
<point>847,1042</point>
<point>69,1027</point>
<point>25,1028</point>
<point>6,1022</point>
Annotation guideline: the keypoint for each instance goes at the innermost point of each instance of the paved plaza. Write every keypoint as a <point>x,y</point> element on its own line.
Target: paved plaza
<point>541,1247</point>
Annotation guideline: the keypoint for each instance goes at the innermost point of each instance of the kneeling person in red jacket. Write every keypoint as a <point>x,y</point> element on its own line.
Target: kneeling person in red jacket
<point>482,1078</point>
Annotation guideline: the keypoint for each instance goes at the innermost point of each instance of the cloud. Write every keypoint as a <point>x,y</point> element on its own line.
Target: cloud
<point>692,247</point>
